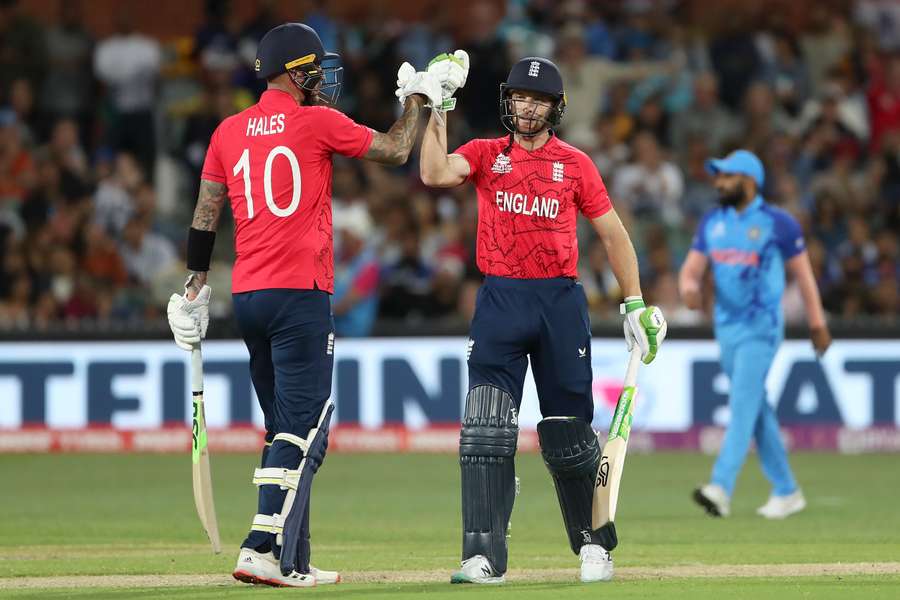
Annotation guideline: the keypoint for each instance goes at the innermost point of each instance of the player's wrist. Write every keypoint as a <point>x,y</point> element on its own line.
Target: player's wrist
<point>631,304</point>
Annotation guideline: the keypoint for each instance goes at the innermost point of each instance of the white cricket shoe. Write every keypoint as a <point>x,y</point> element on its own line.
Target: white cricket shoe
<point>596,563</point>
<point>714,499</point>
<point>477,569</point>
<point>780,507</point>
<point>325,577</point>
<point>257,568</point>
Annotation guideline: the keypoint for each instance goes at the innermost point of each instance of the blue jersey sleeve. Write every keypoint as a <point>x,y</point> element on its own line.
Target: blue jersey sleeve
<point>699,243</point>
<point>788,235</point>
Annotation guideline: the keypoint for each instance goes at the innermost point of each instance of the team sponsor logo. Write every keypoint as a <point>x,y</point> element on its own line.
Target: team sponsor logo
<point>329,346</point>
<point>558,173</point>
<point>534,69</point>
<point>582,352</point>
<point>502,164</point>
<point>734,256</point>
<point>521,204</point>
<point>753,234</point>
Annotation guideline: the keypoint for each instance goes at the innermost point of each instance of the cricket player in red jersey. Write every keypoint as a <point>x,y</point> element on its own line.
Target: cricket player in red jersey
<point>531,186</point>
<point>273,162</point>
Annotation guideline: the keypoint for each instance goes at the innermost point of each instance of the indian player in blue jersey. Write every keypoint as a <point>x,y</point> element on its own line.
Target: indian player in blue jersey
<point>750,245</point>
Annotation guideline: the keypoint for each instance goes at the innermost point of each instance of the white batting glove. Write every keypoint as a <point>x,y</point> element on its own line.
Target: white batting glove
<point>452,70</point>
<point>188,319</point>
<point>645,326</point>
<point>410,82</point>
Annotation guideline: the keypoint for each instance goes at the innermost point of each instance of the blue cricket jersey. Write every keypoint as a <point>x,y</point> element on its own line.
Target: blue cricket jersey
<point>747,251</point>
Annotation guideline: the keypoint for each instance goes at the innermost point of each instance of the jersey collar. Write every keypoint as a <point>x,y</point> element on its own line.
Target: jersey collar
<point>751,208</point>
<point>277,100</point>
<point>548,144</point>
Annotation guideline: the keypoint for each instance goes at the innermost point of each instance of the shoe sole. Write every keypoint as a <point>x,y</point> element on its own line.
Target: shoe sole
<point>706,503</point>
<point>583,580</point>
<point>252,579</point>
<point>460,578</point>
<point>781,516</point>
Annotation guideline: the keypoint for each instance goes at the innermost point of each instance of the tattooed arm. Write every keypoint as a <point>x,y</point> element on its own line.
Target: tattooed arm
<point>210,201</point>
<point>393,147</point>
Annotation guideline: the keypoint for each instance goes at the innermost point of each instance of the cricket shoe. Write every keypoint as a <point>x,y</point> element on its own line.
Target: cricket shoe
<point>596,563</point>
<point>714,499</point>
<point>780,507</point>
<point>477,569</point>
<point>325,577</point>
<point>258,568</point>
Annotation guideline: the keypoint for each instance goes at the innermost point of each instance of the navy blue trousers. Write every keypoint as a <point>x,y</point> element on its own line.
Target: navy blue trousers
<point>544,320</point>
<point>290,337</point>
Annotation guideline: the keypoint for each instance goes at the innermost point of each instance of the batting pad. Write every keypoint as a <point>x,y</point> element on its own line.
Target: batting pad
<point>487,449</point>
<point>572,454</point>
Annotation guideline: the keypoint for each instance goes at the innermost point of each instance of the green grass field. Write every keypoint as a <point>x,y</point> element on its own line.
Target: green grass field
<point>390,524</point>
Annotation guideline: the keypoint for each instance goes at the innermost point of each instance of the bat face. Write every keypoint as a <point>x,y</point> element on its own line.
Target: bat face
<point>612,460</point>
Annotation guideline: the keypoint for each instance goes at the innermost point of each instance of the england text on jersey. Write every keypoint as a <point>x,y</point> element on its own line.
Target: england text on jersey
<point>522,204</point>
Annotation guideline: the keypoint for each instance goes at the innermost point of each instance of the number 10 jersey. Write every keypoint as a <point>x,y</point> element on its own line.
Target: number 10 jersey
<point>275,159</point>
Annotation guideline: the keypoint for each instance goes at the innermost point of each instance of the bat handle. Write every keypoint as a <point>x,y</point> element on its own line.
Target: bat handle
<point>633,362</point>
<point>196,370</point>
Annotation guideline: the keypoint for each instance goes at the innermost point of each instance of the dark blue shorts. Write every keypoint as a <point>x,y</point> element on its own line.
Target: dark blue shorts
<point>544,320</point>
<point>290,336</point>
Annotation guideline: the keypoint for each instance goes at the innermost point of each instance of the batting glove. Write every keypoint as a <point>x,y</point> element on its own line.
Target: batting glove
<point>188,319</point>
<point>452,70</point>
<point>645,326</point>
<point>410,82</point>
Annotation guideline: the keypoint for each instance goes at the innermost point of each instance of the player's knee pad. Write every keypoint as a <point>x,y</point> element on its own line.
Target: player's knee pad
<point>487,448</point>
<point>572,454</point>
<point>290,525</point>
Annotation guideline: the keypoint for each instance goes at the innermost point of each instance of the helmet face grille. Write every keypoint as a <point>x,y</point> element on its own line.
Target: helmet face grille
<point>510,119</point>
<point>320,85</point>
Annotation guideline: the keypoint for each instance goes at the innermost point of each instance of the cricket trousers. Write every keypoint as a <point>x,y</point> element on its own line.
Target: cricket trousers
<point>544,320</point>
<point>290,337</point>
<point>747,362</point>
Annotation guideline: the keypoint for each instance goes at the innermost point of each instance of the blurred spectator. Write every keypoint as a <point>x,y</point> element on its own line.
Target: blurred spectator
<point>355,301</point>
<point>884,102</point>
<point>735,60</point>
<point>587,77</point>
<point>114,202</point>
<point>787,73</point>
<point>67,89</point>
<point>705,117</point>
<point>763,117</point>
<point>144,253</point>
<point>129,64</point>
<point>17,172</point>
<point>478,99</point>
<point>22,50</point>
<point>651,186</point>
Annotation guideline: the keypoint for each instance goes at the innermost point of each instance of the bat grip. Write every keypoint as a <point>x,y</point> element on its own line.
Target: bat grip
<point>196,370</point>
<point>631,372</point>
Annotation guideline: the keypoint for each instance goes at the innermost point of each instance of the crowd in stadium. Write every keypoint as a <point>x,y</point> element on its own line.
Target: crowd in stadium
<point>102,140</point>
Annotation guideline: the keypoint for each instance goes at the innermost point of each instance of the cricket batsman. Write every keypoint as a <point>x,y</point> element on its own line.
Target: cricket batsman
<point>531,186</point>
<point>273,162</point>
<point>749,244</point>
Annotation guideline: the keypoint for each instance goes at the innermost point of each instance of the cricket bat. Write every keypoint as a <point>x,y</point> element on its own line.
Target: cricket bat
<point>612,458</point>
<point>203,492</point>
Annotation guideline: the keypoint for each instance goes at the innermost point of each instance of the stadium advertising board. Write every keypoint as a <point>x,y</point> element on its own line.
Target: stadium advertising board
<point>419,384</point>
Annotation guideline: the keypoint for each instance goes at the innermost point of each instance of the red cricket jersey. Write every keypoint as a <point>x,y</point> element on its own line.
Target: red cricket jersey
<point>275,158</point>
<point>528,203</point>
